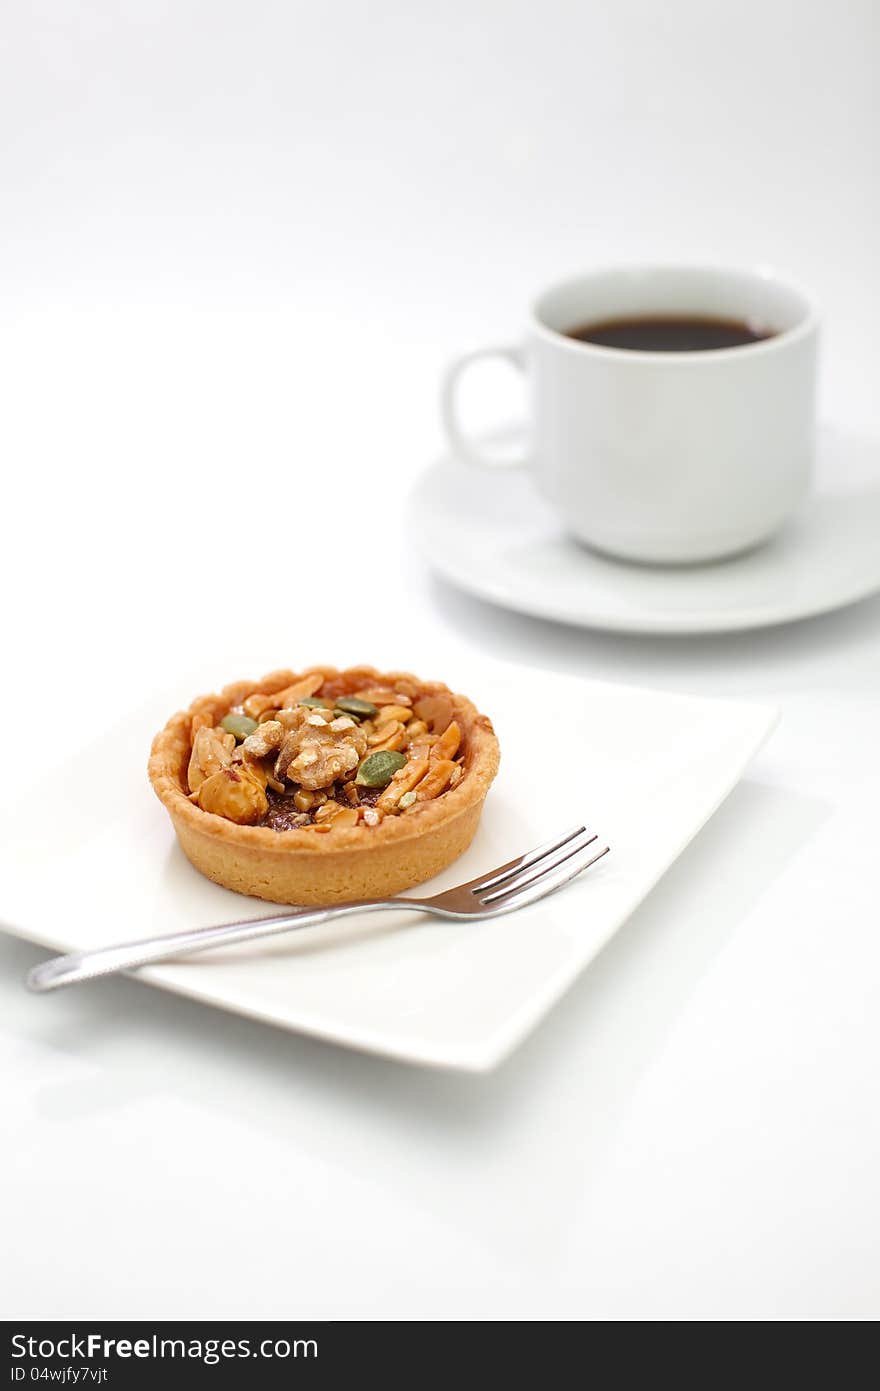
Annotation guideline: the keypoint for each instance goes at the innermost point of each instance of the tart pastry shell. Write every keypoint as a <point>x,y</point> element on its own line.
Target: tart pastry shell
<point>304,866</point>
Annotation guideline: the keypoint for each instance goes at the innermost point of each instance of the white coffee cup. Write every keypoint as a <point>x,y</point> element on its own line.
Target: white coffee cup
<point>664,457</point>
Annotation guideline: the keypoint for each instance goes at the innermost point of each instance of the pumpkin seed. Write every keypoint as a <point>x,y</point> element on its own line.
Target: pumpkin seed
<point>379,768</point>
<point>239,725</point>
<point>314,703</point>
<point>353,705</point>
<point>406,800</point>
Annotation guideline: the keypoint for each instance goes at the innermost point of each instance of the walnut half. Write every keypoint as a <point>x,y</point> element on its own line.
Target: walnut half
<point>318,749</point>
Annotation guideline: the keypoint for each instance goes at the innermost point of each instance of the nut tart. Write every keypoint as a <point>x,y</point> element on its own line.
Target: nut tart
<point>325,785</point>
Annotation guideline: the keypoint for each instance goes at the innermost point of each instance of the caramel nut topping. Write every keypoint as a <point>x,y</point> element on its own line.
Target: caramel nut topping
<point>321,752</point>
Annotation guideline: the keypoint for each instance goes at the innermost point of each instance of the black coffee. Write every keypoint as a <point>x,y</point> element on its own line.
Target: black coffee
<point>678,333</point>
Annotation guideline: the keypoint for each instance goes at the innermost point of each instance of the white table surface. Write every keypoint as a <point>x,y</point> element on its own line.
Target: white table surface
<point>236,251</point>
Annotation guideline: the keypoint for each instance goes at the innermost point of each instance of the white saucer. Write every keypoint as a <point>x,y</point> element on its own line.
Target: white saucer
<point>490,533</point>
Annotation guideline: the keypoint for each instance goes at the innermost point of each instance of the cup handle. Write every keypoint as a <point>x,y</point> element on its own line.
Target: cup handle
<point>463,446</point>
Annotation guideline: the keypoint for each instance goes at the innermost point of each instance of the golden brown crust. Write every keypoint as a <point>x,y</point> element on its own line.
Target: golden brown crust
<point>300,866</point>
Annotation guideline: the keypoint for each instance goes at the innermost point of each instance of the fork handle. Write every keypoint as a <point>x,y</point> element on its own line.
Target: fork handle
<point>106,961</point>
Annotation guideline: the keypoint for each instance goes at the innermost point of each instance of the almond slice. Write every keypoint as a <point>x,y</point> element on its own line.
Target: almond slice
<point>436,780</point>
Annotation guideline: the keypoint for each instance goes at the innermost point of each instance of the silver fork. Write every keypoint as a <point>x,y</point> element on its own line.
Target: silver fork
<point>511,886</point>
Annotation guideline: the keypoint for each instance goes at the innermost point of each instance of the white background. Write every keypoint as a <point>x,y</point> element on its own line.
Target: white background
<point>237,244</point>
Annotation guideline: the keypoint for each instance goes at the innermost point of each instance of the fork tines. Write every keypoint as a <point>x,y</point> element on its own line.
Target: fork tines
<point>540,871</point>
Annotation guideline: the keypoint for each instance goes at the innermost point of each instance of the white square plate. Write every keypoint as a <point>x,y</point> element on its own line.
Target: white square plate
<point>645,769</point>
